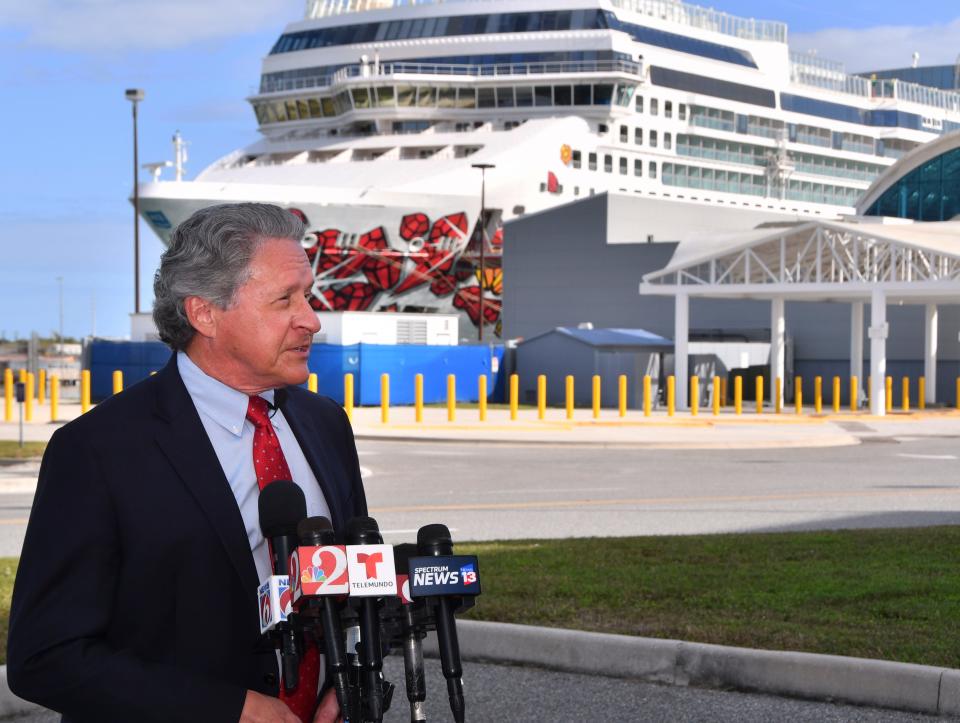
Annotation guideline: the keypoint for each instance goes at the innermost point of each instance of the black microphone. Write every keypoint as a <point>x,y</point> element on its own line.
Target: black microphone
<point>316,531</point>
<point>435,541</point>
<point>282,506</point>
<point>412,633</point>
<point>365,531</point>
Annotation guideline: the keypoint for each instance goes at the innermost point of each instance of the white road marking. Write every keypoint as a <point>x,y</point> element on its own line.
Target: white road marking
<point>535,490</point>
<point>928,456</point>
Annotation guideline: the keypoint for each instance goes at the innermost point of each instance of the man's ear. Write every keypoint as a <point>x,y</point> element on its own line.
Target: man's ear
<point>201,315</point>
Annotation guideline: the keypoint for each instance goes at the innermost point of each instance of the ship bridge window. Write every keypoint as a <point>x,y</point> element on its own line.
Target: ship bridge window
<point>624,134</point>
<point>561,95</point>
<point>602,94</point>
<point>486,98</point>
<point>638,167</point>
<point>624,94</point>
<point>341,103</point>
<point>467,98</point>
<point>623,166</point>
<point>447,97</point>
<point>667,109</point>
<point>505,97</point>
<point>543,95</point>
<point>582,95</point>
<point>638,136</point>
<point>654,106</point>
<point>361,97</point>
<point>592,161</point>
<point>653,139</point>
<point>385,97</point>
<point>638,104</point>
<point>314,104</point>
<point>406,95</point>
<point>426,97</point>
<point>608,163</point>
<point>524,97</point>
<point>575,159</point>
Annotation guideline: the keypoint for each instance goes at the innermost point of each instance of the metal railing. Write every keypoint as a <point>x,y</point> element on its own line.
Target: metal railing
<point>690,15</point>
<point>383,70</point>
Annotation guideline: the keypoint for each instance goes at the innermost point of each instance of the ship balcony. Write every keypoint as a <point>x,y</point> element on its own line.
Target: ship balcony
<point>420,90</point>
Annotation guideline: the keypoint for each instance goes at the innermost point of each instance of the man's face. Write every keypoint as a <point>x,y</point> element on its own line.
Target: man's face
<point>263,340</point>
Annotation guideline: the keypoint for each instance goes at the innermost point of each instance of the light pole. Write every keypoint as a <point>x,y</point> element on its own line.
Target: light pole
<point>483,235</point>
<point>135,95</point>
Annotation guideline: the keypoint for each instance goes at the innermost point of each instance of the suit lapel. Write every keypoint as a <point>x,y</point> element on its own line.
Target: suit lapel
<point>310,437</point>
<point>184,441</point>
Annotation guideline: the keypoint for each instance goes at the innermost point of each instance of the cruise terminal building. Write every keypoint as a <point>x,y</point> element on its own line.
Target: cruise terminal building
<point>873,295</point>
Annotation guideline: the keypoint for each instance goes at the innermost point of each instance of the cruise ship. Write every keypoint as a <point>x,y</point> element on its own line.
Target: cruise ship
<point>405,132</point>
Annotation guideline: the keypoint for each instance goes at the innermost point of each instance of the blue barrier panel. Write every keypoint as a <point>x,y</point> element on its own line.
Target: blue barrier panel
<point>136,359</point>
<point>330,363</point>
<point>404,362</point>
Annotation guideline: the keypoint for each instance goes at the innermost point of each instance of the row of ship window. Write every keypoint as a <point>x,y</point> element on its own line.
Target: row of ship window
<point>709,179</point>
<point>428,96</point>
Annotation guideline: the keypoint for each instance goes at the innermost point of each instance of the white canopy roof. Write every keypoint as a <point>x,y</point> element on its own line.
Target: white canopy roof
<point>819,260</point>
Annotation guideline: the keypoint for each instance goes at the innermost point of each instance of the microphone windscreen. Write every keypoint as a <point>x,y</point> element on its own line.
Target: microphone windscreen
<point>401,556</point>
<point>435,540</point>
<point>362,531</point>
<point>316,531</point>
<point>282,506</point>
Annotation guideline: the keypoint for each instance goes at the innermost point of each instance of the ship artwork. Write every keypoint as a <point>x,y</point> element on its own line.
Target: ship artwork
<point>424,265</point>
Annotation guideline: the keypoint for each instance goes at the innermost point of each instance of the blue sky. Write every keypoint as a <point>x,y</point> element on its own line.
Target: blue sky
<point>67,165</point>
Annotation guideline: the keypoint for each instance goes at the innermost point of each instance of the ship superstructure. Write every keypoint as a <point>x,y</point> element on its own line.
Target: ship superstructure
<point>374,113</point>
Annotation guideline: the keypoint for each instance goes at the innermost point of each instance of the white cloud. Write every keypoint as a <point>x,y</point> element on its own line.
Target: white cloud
<point>116,25</point>
<point>884,47</point>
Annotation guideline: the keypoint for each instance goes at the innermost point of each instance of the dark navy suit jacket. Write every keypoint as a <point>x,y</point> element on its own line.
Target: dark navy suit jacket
<point>135,599</point>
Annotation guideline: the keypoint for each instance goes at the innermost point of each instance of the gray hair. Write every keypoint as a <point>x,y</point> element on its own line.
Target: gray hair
<point>209,256</point>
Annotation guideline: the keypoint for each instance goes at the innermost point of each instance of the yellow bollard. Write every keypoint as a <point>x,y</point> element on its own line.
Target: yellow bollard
<point>84,391</point>
<point>905,394</point>
<point>312,383</point>
<point>622,395</point>
<point>778,394</point>
<point>798,394</point>
<point>648,394</point>
<point>451,397</point>
<point>28,403</point>
<point>835,397</point>
<point>514,396</point>
<point>818,394</point>
<point>568,395</point>
<point>958,392</point>
<point>723,391</point>
<point>854,392</point>
<point>7,395</point>
<point>54,397</point>
<point>418,397</point>
<point>482,397</point>
<point>541,396</point>
<point>715,393</point>
<point>738,394</point>
<point>671,395</point>
<point>888,388</point>
<point>596,396</point>
<point>41,386</point>
<point>348,395</point>
<point>117,381</point>
<point>23,377</point>
<point>694,396</point>
<point>759,391</point>
<point>922,393</point>
<point>384,398</point>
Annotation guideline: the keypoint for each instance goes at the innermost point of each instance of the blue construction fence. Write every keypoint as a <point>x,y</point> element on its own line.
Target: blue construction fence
<point>367,362</point>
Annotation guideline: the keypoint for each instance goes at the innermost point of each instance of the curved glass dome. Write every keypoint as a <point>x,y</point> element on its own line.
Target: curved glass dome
<point>930,192</point>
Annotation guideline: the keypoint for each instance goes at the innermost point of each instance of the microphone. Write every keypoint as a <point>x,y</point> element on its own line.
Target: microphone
<point>281,506</point>
<point>444,577</point>
<point>318,547</point>
<point>412,634</point>
<point>371,572</point>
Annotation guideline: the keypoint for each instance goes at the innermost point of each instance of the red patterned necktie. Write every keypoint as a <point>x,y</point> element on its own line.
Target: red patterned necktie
<point>270,465</point>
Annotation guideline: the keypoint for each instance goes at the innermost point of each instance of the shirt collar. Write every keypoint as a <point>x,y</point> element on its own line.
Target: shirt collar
<point>224,405</point>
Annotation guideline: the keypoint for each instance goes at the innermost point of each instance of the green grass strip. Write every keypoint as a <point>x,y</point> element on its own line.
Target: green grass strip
<point>11,449</point>
<point>886,594</point>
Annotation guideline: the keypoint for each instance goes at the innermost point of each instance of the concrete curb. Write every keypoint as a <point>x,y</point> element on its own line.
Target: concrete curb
<point>10,704</point>
<point>879,683</point>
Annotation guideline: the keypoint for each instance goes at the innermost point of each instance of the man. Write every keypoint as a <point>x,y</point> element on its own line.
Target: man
<point>135,599</point>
